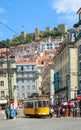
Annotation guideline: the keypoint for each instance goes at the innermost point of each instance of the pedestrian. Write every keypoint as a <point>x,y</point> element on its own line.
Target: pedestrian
<point>7,112</point>
<point>58,111</point>
<point>13,113</point>
<point>51,112</point>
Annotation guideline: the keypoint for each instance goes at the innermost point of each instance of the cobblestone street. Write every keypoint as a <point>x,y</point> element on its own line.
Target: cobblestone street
<point>26,123</point>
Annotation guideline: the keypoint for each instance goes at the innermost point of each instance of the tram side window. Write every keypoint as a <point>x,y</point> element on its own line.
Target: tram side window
<point>44,103</point>
<point>25,105</point>
<point>39,103</point>
<point>30,105</point>
<point>47,103</point>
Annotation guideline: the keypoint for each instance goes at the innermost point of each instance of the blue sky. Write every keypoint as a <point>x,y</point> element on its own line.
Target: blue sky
<point>27,15</point>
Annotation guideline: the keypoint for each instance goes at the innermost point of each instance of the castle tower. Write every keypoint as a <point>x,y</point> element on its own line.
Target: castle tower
<point>23,35</point>
<point>37,33</point>
<point>62,28</point>
<point>48,29</point>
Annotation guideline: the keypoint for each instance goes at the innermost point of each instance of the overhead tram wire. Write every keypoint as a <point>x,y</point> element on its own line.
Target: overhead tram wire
<point>8,27</point>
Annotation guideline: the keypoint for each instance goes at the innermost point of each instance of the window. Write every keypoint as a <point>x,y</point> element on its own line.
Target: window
<point>80,66</point>
<point>18,80</point>
<point>22,87</point>
<point>22,80</point>
<point>1,83</point>
<point>22,68</point>
<point>29,105</point>
<point>32,67</point>
<point>1,74</point>
<point>28,87</point>
<point>23,95</point>
<point>33,87</point>
<point>80,84</point>
<point>27,67</point>
<point>4,74</point>
<point>18,67</point>
<point>39,103</point>
<point>80,49</point>
<point>1,64</point>
<point>44,103</point>
<point>2,93</point>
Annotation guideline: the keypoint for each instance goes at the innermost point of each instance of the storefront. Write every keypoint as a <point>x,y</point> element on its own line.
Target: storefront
<point>3,103</point>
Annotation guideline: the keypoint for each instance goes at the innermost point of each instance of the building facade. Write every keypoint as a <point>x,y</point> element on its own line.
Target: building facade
<point>65,74</point>
<point>48,81</point>
<point>7,77</point>
<point>78,44</point>
<point>26,81</point>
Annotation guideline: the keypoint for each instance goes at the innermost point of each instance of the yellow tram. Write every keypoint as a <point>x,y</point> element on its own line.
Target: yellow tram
<point>36,107</point>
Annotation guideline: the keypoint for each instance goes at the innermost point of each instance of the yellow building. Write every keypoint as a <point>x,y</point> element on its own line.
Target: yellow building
<point>65,74</point>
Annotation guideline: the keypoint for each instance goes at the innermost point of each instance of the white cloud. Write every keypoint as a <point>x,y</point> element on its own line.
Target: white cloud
<point>66,9</point>
<point>1,10</point>
<point>66,6</point>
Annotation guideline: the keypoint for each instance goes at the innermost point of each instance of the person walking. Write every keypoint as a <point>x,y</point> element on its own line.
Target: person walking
<point>7,112</point>
<point>51,112</point>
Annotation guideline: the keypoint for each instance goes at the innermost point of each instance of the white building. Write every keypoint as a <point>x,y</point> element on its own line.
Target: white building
<point>26,82</point>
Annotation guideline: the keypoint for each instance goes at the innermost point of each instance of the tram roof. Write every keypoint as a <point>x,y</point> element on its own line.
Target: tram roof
<point>36,99</point>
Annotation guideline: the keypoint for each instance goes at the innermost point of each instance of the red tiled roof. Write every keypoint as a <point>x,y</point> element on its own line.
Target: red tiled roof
<point>44,58</point>
<point>26,61</point>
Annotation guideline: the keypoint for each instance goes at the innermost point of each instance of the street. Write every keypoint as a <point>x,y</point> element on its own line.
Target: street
<point>26,123</point>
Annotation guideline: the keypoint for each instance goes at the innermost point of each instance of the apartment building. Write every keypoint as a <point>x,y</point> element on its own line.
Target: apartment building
<point>49,45</point>
<point>26,80</point>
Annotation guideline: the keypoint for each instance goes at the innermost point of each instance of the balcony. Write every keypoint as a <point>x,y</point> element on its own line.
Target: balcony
<point>4,66</point>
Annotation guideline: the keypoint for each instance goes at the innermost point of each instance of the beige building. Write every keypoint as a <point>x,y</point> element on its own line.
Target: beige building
<point>48,81</point>
<point>41,61</point>
<point>65,74</point>
<point>7,77</point>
